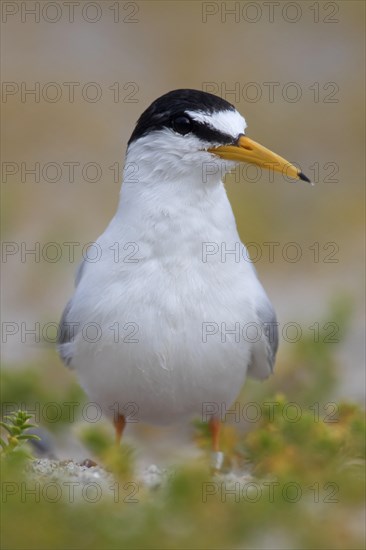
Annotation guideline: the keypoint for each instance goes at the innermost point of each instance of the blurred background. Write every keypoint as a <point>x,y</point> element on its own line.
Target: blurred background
<point>75,80</point>
<point>76,76</point>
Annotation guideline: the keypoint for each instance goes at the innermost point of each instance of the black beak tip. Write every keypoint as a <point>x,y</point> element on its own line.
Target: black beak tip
<point>303,177</point>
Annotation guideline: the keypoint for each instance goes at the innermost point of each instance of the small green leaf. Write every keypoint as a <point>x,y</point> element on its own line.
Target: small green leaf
<point>16,424</point>
<point>29,436</point>
<point>6,427</point>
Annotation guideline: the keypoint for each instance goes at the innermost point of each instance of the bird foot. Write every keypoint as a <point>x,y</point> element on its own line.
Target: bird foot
<point>217,460</point>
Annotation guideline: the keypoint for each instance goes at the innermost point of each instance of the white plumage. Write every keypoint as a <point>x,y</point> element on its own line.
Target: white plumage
<point>165,295</point>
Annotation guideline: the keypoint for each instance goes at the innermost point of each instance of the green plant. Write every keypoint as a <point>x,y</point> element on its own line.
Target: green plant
<point>16,424</point>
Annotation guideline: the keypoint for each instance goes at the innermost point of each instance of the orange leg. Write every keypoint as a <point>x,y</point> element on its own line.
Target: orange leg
<point>119,422</point>
<point>214,425</point>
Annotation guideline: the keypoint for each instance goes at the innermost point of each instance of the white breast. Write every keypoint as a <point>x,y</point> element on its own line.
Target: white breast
<point>155,315</point>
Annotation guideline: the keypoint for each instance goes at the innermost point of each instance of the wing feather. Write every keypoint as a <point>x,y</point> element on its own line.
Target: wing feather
<point>264,351</point>
<point>67,330</point>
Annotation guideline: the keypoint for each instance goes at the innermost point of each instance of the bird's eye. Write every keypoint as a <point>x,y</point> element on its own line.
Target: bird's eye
<point>182,124</point>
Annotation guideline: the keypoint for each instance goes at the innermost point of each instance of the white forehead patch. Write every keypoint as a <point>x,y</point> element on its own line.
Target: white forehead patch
<point>228,122</point>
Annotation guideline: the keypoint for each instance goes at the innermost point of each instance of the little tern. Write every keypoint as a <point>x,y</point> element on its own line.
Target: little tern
<point>155,328</point>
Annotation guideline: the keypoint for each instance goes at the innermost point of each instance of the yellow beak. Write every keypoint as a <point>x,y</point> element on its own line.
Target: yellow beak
<point>247,150</point>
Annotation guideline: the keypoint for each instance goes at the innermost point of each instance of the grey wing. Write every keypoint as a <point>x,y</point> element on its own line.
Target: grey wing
<point>264,351</point>
<point>79,272</point>
<point>67,329</point>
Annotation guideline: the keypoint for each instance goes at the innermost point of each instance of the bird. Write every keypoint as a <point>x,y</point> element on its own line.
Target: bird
<point>155,327</point>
